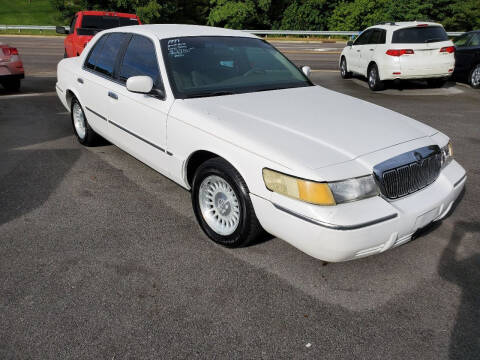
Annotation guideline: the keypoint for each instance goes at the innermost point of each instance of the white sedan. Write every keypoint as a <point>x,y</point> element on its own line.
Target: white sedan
<point>227,116</point>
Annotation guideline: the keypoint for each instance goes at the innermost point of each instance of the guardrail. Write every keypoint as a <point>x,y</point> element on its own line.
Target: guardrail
<point>256,32</point>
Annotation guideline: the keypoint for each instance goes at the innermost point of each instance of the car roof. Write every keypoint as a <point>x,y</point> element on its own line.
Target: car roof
<point>165,31</point>
<point>394,25</point>
<point>108,13</point>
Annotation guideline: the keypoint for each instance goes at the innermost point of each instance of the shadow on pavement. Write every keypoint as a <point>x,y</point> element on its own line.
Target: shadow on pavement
<point>36,175</point>
<point>465,273</point>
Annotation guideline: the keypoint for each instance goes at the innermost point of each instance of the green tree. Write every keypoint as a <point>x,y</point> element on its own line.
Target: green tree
<point>306,15</point>
<point>246,14</point>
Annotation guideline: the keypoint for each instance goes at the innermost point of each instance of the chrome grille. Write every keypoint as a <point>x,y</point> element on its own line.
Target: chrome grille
<point>401,176</point>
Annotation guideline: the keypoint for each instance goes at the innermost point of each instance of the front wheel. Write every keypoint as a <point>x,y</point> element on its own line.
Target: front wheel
<point>222,205</point>
<point>474,77</point>
<point>343,69</point>
<point>374,82</point>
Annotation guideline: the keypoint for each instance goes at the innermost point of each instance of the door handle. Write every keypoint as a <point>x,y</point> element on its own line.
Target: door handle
<point>80,80</point>
<point>372,49</point>
<point>358,50</point>
<point>113,95</point>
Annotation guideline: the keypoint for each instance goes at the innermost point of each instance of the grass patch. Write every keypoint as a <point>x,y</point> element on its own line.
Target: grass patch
<point>30,32</point>
<point>25,12</point>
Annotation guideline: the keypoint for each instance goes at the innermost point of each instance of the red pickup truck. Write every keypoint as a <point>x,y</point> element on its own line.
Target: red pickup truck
<point>86,24</point>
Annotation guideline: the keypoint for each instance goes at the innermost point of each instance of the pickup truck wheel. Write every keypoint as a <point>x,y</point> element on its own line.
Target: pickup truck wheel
<point>222,204</point>
<point>65,54</point>
<point>474,77</point>
<point>374,82</point>
<point>343,69</point>
<point>85,134</point>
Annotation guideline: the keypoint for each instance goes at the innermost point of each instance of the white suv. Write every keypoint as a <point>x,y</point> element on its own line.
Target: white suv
<point>402,50</point>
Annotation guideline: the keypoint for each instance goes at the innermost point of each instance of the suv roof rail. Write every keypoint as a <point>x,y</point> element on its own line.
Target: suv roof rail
<point>386,23</point>
<point>424,20</point>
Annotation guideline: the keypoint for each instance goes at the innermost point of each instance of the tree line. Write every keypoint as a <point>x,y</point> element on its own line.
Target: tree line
<point>455,15</point>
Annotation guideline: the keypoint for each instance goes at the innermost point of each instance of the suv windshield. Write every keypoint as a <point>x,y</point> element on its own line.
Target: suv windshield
<point>419,35</point>
<point>91,24</point>
<point>215,65</point>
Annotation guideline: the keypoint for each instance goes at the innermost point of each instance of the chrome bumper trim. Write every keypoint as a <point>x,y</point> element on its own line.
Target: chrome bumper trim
<point>334,226</point>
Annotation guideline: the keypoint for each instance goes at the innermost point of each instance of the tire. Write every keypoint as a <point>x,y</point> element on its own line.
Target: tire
<point>65,54</point>
<point>343,69</point>
<point>86,136</point>
<point>436,83</point>
<point>222,205</point>
<point>474,77</point>
<point>12,85</point>
<point>374,82</point>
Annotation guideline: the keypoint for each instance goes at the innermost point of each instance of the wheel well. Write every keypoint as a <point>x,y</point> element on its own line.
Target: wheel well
<point>370,65</point>
<point>70,95</point>
<point>195,160</point>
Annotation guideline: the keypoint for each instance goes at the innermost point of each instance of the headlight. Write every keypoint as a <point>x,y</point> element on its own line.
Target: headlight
<point>447,154</point>
<point>320,193</point>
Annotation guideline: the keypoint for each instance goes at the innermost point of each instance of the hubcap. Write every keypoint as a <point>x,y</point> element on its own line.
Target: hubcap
<point>79,121</point>
<point>219,205</point>
<point>373,77</point>
<point>343,68</point>
<point>476,76</point>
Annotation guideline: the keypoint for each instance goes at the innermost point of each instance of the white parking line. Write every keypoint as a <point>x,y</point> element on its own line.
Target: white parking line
<point>49,93</point>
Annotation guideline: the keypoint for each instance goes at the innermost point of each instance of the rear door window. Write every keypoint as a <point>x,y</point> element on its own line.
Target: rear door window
<point>140,59</point>
<point>363,38</point>
<point>378,37</point>
<point>419,35</point>
<point>103,56</point>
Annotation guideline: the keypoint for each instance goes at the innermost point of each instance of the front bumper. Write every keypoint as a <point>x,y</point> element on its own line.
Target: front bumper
<point>365,227</point>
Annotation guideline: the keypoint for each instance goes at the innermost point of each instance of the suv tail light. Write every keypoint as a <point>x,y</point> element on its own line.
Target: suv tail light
<point>399,52</point>
<point>10,51</point>
<point>448,49</point>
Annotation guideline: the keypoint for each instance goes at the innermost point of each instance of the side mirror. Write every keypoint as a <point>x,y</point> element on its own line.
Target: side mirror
<point>349,43</point>
<point>61,30</point>
<point>140,84</point>
<point>306,70</point>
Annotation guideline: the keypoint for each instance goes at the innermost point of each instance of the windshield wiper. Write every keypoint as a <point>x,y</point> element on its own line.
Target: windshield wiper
<point>433,40</point>
<point>210,93</point>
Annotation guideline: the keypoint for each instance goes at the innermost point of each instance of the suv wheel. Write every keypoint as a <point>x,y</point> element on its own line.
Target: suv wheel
<point>222,204</point>
<point>85,134</point>
<point>374,82</point>
<point>343,69</point>
<point>474,77</point>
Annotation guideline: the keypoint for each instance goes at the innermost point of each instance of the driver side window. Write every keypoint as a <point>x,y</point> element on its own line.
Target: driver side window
<point>462,40</point>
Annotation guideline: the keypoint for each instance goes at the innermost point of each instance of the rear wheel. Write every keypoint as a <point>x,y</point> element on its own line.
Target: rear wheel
<point>222,205</point>
<point>436,83</point>
<point>12,85</point>
<point>343,69</point>
<point>374,82</point>
<point>85,134</point>
<point>474,77</point>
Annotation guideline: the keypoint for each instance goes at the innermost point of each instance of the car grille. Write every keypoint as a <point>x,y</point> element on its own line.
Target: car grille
<point>409,177</point>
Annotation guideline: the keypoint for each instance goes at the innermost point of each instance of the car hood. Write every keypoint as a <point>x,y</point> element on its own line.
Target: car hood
<point>310,126</point>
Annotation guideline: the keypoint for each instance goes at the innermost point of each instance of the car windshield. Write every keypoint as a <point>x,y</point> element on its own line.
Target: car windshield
<point>419,35</point>
<point>213,65</point>
<point>91,24</point>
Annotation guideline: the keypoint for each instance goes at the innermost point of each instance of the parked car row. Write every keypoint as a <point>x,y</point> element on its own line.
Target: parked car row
<point>411,50</point>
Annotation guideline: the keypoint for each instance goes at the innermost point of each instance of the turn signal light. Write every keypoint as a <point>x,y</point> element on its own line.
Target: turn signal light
<point>399,52</point>
<point>10,51</point>
<point>448,49</point>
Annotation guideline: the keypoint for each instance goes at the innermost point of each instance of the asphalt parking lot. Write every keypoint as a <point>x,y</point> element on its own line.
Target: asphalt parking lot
<point>101,257</point>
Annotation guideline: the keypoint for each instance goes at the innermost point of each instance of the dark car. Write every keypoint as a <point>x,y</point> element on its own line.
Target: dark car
<point>467,58</point>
